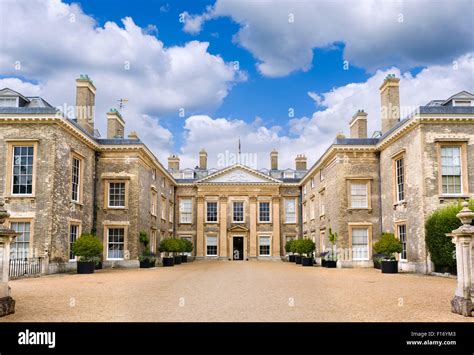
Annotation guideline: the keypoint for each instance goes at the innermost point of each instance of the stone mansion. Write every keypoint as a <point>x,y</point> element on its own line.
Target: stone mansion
<point>59,178</point>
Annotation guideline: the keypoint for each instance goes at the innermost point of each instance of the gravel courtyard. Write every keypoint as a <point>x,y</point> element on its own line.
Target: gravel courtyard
<point>234,291</point>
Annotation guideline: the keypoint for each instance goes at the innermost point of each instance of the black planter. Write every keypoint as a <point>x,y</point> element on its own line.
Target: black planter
<point>377,265</point>
<point>184,258</point>
<point>298,259</point>
<point>177,259</point>
<point>291,258</point>
<point>146,264</point>
<point>98,266</point>
<point>307,261</point>
<point>323,262</point>
<point>168,261</point>
<point>446,269</point>
<point>331,264</point>
<point>389,266</point>
<point>85,267</point>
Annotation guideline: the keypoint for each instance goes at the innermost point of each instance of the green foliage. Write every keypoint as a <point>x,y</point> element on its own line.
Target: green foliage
<point>188,246</point>
<point>303,246</point>
<point>151,258</point>
<point>289,246</point>
<point>88,248</point>
<point>332,237</point>
<point>144,239</point>
<point>388,245</point>
<point>438,224</point>
<point>171,245</point>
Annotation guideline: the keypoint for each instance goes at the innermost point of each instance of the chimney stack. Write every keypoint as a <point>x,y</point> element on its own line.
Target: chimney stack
<point>133,135</point>
<point>390,99</point>
<point>300,162</point>
<point>173,162</point>
<point>358,125</point>
<point>203,159</point>
<point>274,159</point>
<point>115,124</point>
<point>85,103</point>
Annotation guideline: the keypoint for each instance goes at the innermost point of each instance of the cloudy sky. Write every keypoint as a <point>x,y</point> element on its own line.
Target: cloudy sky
<point>202,74</point>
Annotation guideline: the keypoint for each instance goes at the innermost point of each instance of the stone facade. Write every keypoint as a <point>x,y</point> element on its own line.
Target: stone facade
<point>115,187</point>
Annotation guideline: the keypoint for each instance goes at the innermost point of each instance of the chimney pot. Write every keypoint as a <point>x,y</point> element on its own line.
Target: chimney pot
<point>173,162</point>
<point>390,102</point>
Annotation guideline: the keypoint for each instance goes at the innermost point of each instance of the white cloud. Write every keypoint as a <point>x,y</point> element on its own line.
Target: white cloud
<point>376,33</point>
<point>54,42</point>
<point>313,135</point>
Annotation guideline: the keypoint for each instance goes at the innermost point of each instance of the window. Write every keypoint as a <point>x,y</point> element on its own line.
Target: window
<point>171,209</point>
<point>402,235</point>
<point>187,237</point>
<point>290,210</point>
<point>211,214</point>
<point>304,189</point>
<point>238,212</point>
<point>321,174</point>
<point>185,210</point>
<point>211,246</point>
<point>264,246</point>
<point>188,174</point>
<point>8,102</point>
<point>153,241</point>
<point>163,208</point>
<point>153,203</point>
<point>312,182</point>
<point>400,179</point>
<point>153,174</point>
<point>462,103</point>
<point>311,208</point>
<point>359,195</point>
<point>288,174</point>
<point>116,194</point>
<point>451,170</point>
<point>163,183</point>
<point>22,170</point>
<point>116,243</point>
<point>264,212</point>
<point>322,241</point>
<point>76,179</point>
<point>73,234</point>
<point>305,211</point>
<point>20,248</point>
<point>360,244</point>
<point>322,206</point>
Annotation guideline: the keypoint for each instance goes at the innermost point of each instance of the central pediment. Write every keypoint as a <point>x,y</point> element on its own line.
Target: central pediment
<point>238,174</point>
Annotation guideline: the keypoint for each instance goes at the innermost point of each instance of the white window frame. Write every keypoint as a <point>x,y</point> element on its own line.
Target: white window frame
<point>460,169</point>
<point>243,212</point>
<point>78,227</point>
<point>353,184</point>
<point>185,213</point>
<point>163,208</point>
<point>269,245</point>
<point>269,212</point>
<point>288,174</point>
<point>76,191</point>
<point>293,214</point>
<point>401,177</point>
<point>14,245</point>
<point>217,211</point>
<point>322,205</point>
<point>6,98</point>
<point>311,209</point>
<point>108,241</point>
<point>404,241</point>
<point>368,242</point>
<point>124,194</point>
<point>216,245</point>
<point>32,169</point>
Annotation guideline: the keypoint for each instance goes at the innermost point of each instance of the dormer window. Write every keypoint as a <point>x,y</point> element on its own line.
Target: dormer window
<point>289,174</point>
<point>188,174</point>
<point>462,103</point>
<point>8,102</point>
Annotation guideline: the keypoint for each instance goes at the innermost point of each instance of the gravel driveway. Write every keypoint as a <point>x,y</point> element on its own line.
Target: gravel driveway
<point>234,291</point>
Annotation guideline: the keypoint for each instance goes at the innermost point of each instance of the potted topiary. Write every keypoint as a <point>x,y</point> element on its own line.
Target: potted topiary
<point>307,248</point>
<point>331,256</point>
<point>377,258</point>
<point>165,247</point>
<point>146,258</point>
<point>176,249</point>
<point>289,248</point>
<point>323,258</point>
<point>388,245</point>
<point>297,246</point>
<point>88,250</point>
<point>188,248</point>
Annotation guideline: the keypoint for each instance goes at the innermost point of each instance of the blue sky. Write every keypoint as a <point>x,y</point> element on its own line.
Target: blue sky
<point>283,65</point>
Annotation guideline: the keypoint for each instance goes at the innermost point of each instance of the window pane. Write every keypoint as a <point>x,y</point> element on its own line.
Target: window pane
<point>22,170</point>
<point>211,246</point>
<point>72,238</point>
<point>290,211</point>
<point>402,235</point>
<point>211,211</point>
<point>117,194</point>
<point>185,210</point>
<point>264,211</point>
<point>20,247</point>
<point>238,211</point>
<point>76,169</point>
<point>451,170</point>
<point>360,241</point>
<point>115,243</point>
<point>264,246</point>
<point>359,195</point>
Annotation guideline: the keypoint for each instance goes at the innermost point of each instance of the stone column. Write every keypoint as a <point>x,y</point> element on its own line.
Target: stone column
<point>200,227</point>
<point>253,227</point>
<point>463,238</point>
<point>223,227</point>
<point>7,303</point>
<point>276,227</point>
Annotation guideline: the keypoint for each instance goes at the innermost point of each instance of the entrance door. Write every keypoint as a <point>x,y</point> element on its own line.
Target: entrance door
<point>238,249</point>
